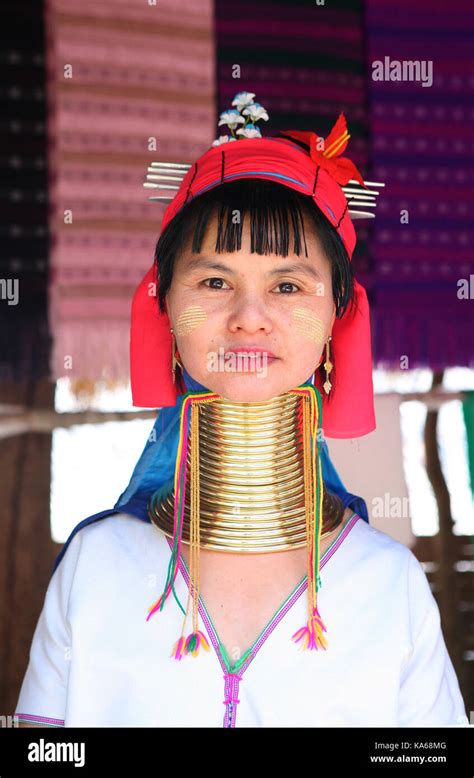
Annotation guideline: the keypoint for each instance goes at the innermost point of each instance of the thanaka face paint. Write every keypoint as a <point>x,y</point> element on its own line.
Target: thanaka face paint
<point>308,324</point>
<point>190,319</point>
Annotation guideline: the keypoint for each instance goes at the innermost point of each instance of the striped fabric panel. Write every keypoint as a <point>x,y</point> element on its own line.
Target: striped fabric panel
<point>424,151</point>
<point>29,718</point>
<point>24,336</point>
<point>140,70</point>
<point>305,63</point>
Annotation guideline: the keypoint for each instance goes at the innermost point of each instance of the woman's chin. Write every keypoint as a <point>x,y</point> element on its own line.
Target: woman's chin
<point>248,387</point>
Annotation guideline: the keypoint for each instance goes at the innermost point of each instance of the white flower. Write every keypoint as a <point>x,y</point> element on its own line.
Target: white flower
<point>248,112</point>
<point>242,99</point>
<point>232,118</point>
<point>250,132</point>
<point>223,139</point>
<point>256,112</point>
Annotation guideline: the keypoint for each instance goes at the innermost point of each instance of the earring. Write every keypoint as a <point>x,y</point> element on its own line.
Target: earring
<point>174,359</point>
<point>328,367</point>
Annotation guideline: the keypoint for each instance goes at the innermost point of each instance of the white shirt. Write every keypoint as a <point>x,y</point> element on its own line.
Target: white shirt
<point>95,660</point>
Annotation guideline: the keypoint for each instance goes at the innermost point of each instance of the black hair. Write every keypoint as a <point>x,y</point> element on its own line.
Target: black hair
<point>272,207</point>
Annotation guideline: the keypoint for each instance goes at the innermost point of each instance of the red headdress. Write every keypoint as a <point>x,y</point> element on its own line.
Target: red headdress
<point>319,174</point>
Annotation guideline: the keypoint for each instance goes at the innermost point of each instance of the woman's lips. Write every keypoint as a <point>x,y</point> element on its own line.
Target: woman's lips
<point>250,352</point>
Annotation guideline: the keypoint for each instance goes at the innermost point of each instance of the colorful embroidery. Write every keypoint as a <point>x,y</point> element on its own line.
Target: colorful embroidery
<point>233,675</point>
<point>30,718</point>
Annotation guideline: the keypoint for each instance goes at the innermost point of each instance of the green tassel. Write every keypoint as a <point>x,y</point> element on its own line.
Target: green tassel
<point>192,644</point>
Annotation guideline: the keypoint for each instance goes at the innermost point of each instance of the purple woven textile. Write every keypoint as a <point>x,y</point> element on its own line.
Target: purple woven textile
<point>423,148</point>
<point>305,63</point>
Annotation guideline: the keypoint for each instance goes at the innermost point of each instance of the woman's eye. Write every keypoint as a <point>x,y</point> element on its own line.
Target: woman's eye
<point>287,284</point>
<point>286,287</point>
<point>211,285</point>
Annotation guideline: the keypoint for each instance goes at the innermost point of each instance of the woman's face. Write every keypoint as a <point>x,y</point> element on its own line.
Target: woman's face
<point>250,327</point>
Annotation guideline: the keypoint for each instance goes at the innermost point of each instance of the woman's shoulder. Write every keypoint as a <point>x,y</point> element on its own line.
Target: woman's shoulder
<point>387,572</point>
<point>112,525</point>
<point>374,547</point>
<point>110,539</point>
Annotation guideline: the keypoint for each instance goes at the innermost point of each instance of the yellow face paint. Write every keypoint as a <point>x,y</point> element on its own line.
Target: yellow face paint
<point>308,324</point>
<point>190,319</point>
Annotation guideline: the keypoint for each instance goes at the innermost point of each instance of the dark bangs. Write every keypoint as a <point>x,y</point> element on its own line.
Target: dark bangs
<point>276,215</point>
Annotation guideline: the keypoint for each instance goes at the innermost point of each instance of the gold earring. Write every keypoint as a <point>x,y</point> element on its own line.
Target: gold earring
<point>174,360</point>
<point>328,367</point>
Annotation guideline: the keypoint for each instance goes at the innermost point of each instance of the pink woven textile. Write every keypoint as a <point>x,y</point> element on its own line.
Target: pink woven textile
<point>139,71</point>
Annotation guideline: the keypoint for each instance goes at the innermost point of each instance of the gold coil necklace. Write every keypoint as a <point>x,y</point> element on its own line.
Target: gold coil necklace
<point>251,478</point>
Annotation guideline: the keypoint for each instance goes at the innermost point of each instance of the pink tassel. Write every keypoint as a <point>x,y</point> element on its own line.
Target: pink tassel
<point>179,649</point>
<point>311,636</point>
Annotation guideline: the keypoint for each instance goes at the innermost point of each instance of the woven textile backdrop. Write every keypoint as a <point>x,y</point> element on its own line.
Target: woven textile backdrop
<point>305,63</point>
<point>119,74</point>
<point>424,150</point>
<point>24,335</point>
<point>140,70</point>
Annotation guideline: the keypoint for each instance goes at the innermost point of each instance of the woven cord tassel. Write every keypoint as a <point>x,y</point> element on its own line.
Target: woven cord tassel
<point>311,635</point>
<point>196,639</point>
<point>180,647</point>
<point>179,490</point>
<point>189,411</point>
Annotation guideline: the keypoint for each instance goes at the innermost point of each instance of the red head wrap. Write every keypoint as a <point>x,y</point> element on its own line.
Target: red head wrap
<point>350,412</point>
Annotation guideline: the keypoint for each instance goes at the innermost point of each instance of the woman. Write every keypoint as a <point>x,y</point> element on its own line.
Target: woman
<point>254,340</point>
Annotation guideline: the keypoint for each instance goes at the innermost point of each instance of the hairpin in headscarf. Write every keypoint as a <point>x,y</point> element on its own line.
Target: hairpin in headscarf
<point>241,121</point>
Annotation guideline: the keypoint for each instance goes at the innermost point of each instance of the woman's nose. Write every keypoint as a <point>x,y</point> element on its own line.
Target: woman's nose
<point>249,314</point>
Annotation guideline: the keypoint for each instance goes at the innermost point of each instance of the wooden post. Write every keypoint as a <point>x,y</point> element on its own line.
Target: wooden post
<point>27,552</point>
<point>444,541</point>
